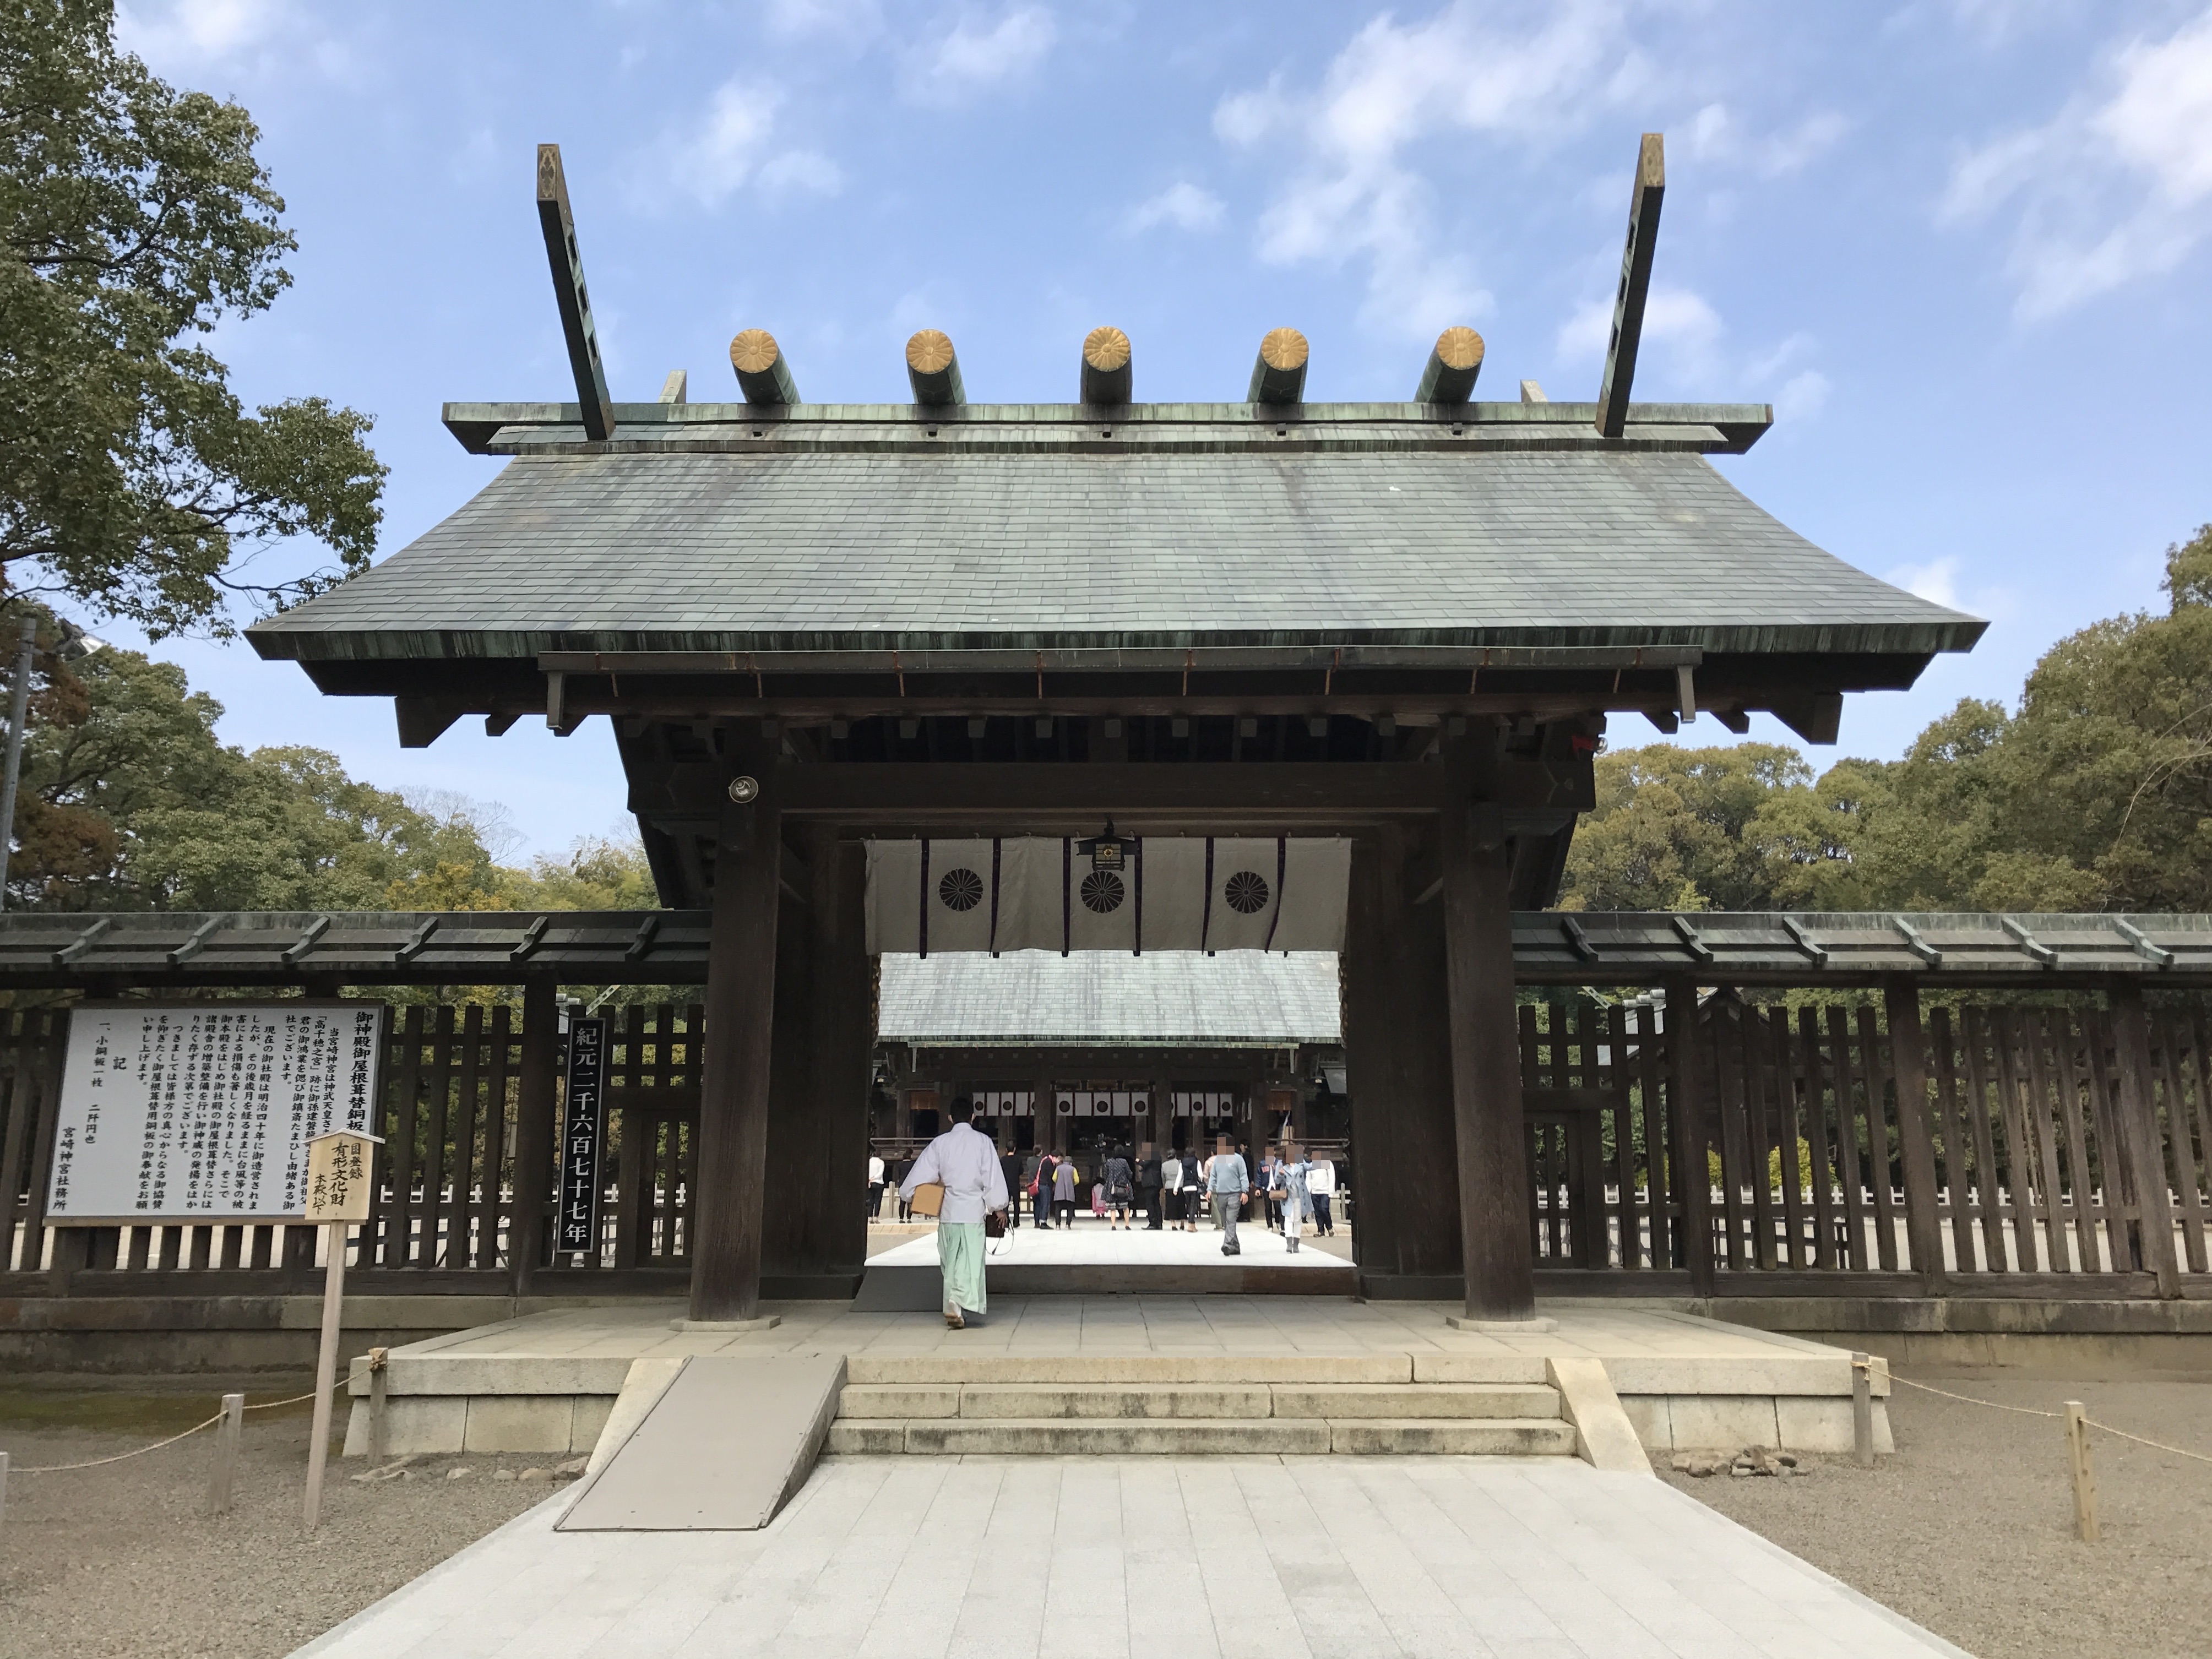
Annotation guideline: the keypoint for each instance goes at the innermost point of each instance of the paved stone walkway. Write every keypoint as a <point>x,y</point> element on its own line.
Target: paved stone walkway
<point>1271,1557</point>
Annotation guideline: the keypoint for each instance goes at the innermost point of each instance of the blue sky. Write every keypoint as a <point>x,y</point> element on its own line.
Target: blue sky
<point>1960,244</point>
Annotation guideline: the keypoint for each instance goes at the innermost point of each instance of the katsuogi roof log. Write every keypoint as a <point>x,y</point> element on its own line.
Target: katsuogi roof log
<point>763,372</point>
<point>933,370</point>
<point>1279,374</point>
<point>1452,366</point>
<point>1107,379</point>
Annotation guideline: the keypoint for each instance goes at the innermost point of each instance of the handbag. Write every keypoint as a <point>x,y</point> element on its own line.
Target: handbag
<point>995,1224</point>
<point>928,1198</point>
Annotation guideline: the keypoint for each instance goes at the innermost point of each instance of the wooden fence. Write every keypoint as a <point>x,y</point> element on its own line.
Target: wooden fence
<point>2040,1146</point>
<point>2046,1145</point>
<point>454,1121</point>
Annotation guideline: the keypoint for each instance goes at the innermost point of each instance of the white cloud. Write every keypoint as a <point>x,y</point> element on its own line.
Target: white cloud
<point>731,149</point>
<point>851,22</point>
<point>1936,582</point>
<point>801,172</point>
<point>1353,195</point>
<point>2116,187</point>
<point>1672,317</point>
<point>971,57</point>
<point>1715,136</point>
<point>199,29</point>
<point>1803,395</point>
<point>1183,204</point>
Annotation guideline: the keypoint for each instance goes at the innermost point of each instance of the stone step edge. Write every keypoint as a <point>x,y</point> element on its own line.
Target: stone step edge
<point>1532,1401</point>
<point>1499,1436</point>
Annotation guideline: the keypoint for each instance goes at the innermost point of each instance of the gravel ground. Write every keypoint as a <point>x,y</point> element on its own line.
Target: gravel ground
<point>1969,1529</point>
<point>126,1560</point>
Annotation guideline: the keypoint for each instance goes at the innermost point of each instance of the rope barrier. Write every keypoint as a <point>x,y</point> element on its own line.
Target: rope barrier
<point>119,1457</point>
<point>2029,1411</point>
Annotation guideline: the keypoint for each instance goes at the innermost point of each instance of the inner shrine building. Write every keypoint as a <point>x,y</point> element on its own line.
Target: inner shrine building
<point>1261,674</point>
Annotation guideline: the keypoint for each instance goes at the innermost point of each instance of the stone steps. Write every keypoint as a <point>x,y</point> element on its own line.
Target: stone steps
<point>1072,1416</point>
<point>1014,1436</point>
<point>1156,1400</point>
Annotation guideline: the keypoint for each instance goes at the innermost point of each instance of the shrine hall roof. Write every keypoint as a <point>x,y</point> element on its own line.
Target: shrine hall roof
<point>1237,998</point>
<point>829,529</point>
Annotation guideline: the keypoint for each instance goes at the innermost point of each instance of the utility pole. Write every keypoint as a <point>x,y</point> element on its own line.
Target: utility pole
<point>19,712</point>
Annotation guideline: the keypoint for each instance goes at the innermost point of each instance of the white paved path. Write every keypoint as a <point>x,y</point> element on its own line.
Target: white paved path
<point>911,1558</point>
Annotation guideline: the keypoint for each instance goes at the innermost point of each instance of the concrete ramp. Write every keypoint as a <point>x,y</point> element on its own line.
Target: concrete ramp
<point>722,1449</point>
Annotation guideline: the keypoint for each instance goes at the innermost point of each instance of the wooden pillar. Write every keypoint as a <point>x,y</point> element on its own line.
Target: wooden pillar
<point>1398,1054</point>
<point>1908,1059</point>
<point>2146,1148</point>
<point>1493,1177</point>
<point>1686,1120</point>
<point>795,1157</point>
<point>534,1132</point>
<point>814,1236</point>
<point>734,1093</point>
<point>843,1036</point>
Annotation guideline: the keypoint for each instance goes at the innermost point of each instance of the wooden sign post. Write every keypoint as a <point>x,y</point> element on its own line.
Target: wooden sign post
<point>339,1188</point>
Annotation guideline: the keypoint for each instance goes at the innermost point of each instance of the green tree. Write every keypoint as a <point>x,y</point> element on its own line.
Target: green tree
<point>1675,829</point>
<point>133,219</point>
<point>131,802</point>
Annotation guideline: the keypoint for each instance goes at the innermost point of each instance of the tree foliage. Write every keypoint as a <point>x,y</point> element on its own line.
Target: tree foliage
<point>2095,794</point>
<point>134,218</point>
<point>131,802</point>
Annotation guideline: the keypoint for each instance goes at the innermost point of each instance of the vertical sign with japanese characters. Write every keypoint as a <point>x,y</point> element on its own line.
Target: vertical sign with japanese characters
<point>181,1112</point>
<point>581,1123</point>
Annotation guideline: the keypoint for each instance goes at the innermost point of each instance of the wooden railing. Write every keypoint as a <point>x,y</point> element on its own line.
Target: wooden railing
<point>2047,1146</point>
<point>2044,1146</point>
<point>447,1214</point>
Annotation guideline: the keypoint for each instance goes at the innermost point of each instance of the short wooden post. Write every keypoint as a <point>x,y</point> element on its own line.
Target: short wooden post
<point>341,1191</point>
<point>4,1491</point>
<point>2085,1476</point>
<point>378,1374</point>
<point>226,1454</point>
<point>1862,1410</point>
<point>327,1367</point>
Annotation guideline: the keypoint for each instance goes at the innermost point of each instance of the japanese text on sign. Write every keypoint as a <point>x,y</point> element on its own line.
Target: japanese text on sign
<point>196,1113</point>
<point>581,1124</point>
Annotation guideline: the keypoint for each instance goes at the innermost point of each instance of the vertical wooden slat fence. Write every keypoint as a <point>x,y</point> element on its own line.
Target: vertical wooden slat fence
<point>2024,1120</point>
<point>2052,1142</point>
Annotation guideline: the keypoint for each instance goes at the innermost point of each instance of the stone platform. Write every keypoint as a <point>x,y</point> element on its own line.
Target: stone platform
<point>548,1383</point>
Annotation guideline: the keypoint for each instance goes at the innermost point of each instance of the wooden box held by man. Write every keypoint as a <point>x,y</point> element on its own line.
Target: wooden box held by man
<point>959,1174</point>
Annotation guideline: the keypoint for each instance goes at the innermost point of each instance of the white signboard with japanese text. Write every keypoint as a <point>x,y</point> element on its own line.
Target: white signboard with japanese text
<point>203,1112</point>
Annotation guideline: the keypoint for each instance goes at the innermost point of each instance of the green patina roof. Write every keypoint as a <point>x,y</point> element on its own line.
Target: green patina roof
<point>1028,527</point>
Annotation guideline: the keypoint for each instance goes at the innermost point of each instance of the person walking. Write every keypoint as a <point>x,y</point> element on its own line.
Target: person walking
<point>1170,1193</point>
<point>875,1186</point>
<point>1119,1182</point>
<point>1321,1186</point>
<point>1041,1190</point>
<point>1270,1209</point>
<point>1291,1194</point>
<point>1010,1168</point>
<point>1063,1193</point>
<point>967,1165</point>
<point>897,1176</point>
<point>1229,1184</point>
<point>1151,1178</point>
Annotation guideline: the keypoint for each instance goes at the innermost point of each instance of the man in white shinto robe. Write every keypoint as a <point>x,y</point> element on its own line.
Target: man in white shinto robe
<point>966,1164</point>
